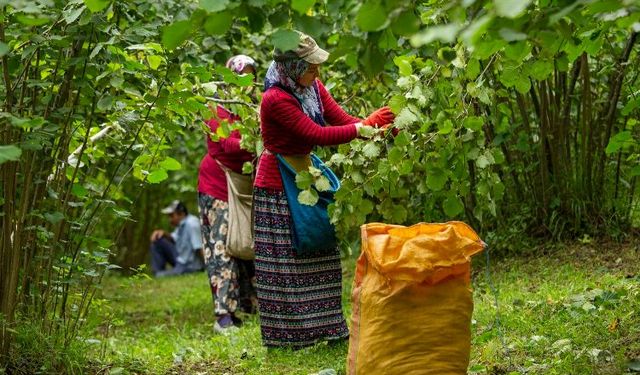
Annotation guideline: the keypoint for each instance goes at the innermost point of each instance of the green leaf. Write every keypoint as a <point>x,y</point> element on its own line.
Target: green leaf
<point>511,35</point>
<point>72,14</point>
<point>473,69</point>
<point>399,214</point>
<point>96,5</point>
<point>371,17</point>
<point>445,127</point>
<point>510,8</point>
<point>405,118</point>
<point>304,180</point>
<point>619,141</point>
<point>302,6</point>
<point>285,40</point>
<point>402,139</point>
<point>452,206</point>
<point>32,21</point>
<point>157,176</point>
<point>482,162</point>
<point>4,49</point>
<point>397,102</point>
<point>105,103</point>
<point>9,153</point>
<point>367,131</point>
<point>323,184</point>
<point>474,32</point>
<point>436,179</point>
<point>387,41</point>
<point>54,217</point>
<point>218,23</point>
<point>79,191</point>
<point>173,35</point>
<point>517,51</point>
<point>395,155</point>
<point>170,164</point>
<point>154,61</point>
<point>473,123</point>
<point>541,69</point>
<point>406,24</point>
<point>214,5</point>
<point>371,150</point>
<point>308,197</point>
<point>444,33</point>
<point>523,85</point>
<point>447,54</point>
<point>404,64</point>
<point>373,60</point>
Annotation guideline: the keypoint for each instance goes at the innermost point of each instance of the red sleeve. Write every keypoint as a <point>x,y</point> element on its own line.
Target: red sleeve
<point>286,111</point>
<point>231,144</point>
<point>333,113</point>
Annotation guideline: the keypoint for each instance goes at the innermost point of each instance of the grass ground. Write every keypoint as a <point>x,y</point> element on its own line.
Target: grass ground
<point>566,310</point>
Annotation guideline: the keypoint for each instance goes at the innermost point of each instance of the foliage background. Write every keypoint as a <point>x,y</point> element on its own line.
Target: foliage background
<point>518,117</point>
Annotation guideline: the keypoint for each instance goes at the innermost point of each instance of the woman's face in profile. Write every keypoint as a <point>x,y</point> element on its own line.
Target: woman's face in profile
<point>308,77</point>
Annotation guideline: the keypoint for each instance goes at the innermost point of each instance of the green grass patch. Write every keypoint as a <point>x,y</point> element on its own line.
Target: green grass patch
<point>573,311</point>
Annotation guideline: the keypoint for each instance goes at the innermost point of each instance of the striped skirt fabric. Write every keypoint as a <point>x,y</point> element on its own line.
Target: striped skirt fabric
<point>299,298</point>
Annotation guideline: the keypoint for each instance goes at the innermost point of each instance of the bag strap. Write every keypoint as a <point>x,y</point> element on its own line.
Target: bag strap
<point>222,166</point>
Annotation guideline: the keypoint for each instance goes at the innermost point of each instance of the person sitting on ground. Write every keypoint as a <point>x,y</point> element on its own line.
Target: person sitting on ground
<point>182,248</point>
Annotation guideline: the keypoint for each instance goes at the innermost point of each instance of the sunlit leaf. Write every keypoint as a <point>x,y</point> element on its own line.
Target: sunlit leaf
<point>473,123</point>
<point>302,6</point>
<point>371,150</point>
<point>9,153</point>
<point>213,5</point>
<point>510,8</point>
<point>323,184</point>
<point>32,21</point>
<point>71,15</point>
<point>444,33</point>
<point>154,61</point>
<point>308,197</point>
<point>96,5</point>
<point>170,164</point>
<point>156,176</point>
<point>621,140</point>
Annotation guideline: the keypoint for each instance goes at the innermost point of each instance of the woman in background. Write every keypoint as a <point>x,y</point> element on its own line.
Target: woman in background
<point>232,280</point>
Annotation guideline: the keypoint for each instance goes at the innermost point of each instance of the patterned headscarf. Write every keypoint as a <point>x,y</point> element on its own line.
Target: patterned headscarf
<point>238,62</point>
<point>285,74</point>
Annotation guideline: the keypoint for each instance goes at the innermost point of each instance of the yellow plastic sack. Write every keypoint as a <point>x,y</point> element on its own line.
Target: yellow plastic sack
<point>412,300</point>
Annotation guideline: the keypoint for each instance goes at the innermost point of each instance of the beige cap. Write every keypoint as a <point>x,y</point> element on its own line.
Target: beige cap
<point>307,50</point>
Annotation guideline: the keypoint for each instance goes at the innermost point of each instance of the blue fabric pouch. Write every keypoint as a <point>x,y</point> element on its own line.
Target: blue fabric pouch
<point>312,231</point>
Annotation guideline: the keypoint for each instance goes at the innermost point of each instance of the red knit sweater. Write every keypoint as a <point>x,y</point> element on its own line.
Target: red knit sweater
<point>287,130</point>
<point>211,178</point>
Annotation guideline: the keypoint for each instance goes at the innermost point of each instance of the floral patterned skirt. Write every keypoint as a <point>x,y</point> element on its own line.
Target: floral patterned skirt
<point>232,280</point>
<point>299,297</point>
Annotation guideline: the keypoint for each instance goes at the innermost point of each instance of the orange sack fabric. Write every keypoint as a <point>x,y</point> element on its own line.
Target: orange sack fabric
<point>412,301</point>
